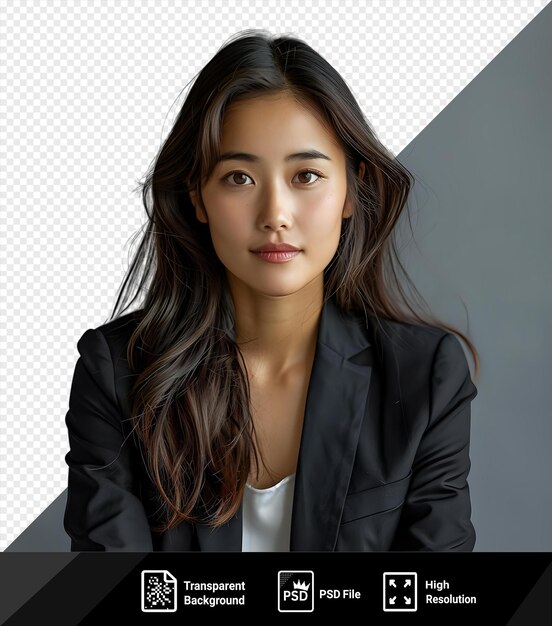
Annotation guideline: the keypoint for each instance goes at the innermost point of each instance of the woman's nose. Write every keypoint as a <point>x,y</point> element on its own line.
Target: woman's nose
<point>276,208</point>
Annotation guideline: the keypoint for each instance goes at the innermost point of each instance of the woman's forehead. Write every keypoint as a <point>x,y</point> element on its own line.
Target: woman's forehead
<point>265,127</point>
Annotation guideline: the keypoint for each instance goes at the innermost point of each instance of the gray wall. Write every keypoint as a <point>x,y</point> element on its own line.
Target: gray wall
<point>482,220</point>
<point>482,215</point>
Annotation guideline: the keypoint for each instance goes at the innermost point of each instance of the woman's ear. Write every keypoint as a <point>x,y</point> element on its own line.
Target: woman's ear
<point>347,208</point>
<point>201,216</point>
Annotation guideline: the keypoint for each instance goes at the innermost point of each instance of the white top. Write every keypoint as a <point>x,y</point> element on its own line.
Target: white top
<point>267,517</point>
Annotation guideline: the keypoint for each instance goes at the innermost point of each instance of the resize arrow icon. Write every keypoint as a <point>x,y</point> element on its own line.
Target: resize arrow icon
<point>405,600</point>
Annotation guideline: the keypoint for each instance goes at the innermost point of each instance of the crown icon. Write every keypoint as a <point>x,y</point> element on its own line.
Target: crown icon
<point>301,585</point>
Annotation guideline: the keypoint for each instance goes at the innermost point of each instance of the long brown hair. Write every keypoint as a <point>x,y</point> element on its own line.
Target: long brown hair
<point>190,401</point>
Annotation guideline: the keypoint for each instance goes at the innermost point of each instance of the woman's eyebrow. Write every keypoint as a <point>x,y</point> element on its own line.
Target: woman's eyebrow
<point>253,158</point>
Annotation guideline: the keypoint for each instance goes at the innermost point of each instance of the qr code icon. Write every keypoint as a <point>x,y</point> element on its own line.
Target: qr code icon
<point>158,591</point>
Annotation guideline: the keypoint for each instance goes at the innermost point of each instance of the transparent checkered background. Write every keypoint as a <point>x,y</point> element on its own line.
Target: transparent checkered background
<point>89,90</point>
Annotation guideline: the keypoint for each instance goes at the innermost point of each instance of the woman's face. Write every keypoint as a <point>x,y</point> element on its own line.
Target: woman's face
<point>270,196</point>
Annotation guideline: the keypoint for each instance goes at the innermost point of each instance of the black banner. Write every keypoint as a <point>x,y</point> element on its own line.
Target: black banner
<point>91,588</point>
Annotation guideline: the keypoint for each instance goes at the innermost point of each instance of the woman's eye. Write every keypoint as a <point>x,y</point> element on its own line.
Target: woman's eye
<point>232,176</point>
<point>310,173</point>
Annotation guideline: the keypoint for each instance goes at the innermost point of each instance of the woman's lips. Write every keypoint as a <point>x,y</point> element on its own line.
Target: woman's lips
<point>278,257</point>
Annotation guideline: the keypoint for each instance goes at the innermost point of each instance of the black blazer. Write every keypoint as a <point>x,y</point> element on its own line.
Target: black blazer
<point>383,461</point>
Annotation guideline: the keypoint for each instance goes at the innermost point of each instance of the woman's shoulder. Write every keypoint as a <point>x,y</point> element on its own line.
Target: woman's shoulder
<point>121,327</point>
<point>114,334</point>
<point>407,333</point>
<point>421,356</point>
<point>415,343</point>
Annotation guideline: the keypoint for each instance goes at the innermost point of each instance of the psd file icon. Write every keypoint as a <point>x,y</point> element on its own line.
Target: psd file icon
<point>295,591</point>
<point>158,591</point>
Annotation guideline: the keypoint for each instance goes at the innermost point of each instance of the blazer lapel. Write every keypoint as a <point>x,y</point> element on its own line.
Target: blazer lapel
<point>336,403</point>
<point>335,407</point>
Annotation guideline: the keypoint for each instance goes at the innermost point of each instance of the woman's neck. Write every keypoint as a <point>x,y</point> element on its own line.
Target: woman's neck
<point>277,334</point>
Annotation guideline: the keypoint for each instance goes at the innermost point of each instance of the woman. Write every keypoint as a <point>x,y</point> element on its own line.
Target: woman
<point>270,393</point>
